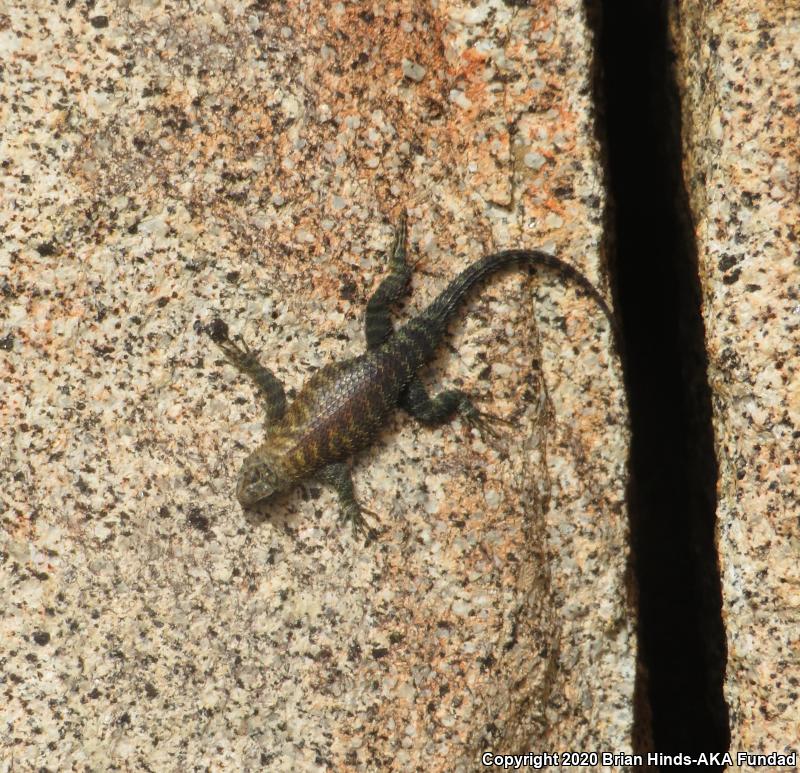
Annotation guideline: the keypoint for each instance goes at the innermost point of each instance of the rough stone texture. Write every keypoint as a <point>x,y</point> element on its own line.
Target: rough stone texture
<point>739,64</point>
<point>163,162</point>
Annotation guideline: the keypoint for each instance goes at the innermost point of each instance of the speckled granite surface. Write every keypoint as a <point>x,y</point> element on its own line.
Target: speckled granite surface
<point>163,162</point>
<point>739,63</point>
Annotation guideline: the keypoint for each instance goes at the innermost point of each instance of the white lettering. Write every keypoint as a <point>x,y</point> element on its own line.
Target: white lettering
<point>620,759</point>
<point>759,760</point>
<point>657,758</point>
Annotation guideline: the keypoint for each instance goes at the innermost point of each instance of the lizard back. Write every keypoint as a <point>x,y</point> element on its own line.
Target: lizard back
<point>339,410</point>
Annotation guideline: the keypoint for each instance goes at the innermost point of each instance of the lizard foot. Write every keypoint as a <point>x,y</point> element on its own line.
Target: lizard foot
<point>354,514</point>
<point>234,348</point>
<point>483,422</point>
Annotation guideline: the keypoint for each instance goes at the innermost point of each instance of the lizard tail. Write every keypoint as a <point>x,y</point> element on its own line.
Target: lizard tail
<point>442,308</point>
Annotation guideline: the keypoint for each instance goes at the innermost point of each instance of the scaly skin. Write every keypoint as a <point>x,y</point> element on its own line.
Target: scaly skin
<point>343,406</point>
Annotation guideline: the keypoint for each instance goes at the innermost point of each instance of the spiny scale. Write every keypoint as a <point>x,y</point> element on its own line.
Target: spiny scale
<point>343,406</point>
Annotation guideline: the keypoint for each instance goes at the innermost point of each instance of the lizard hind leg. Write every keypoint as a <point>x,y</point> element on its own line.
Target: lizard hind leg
<point>433,411</point>
<point>377,322</point>
<point>239,355</point>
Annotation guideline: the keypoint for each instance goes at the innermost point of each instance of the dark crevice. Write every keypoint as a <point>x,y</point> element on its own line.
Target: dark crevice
<point>673,469</point>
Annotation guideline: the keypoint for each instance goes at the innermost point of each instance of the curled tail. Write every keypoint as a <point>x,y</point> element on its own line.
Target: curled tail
<point>442,308</point>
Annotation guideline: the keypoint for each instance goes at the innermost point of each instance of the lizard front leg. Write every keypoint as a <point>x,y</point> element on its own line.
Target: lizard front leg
<point>273,397</point>
<point>377,322</point>
<point>338,476</point>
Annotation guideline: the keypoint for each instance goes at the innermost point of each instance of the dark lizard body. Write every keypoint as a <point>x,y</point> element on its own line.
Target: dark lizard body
<point>343,406</point>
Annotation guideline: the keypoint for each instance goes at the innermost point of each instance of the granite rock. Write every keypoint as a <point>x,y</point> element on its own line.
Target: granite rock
<point>167,162</point>
<point>738,65</point>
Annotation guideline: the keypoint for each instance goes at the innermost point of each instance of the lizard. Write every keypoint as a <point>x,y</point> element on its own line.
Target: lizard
<point>344,405</point>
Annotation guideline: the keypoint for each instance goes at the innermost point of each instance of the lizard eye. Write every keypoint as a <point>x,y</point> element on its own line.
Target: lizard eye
<point>257,481</point>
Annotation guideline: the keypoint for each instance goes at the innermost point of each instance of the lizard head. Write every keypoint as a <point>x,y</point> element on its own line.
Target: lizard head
<point>257,479</point>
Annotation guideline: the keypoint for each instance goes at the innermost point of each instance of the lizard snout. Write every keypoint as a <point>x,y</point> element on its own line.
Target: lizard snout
<point>257,481</point>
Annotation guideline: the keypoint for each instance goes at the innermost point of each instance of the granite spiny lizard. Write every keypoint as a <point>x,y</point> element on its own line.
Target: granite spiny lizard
<point>342,406</point>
